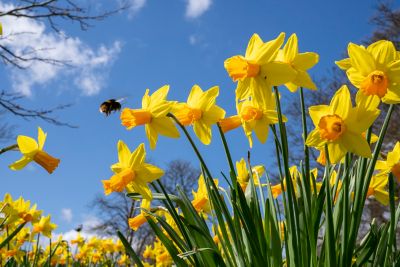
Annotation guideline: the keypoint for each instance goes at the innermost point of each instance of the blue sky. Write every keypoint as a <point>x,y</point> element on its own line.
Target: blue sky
<point>180,43</point>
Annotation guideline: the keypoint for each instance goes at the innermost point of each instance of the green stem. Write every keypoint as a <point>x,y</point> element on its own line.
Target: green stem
<point>291,195</point>
<point>12,147</point>
<point>35,260</point>
<point>345,209</point>
<point>191,143</point>
<point>391,249</point>
<point>229,158</point>
<point>330,259</point>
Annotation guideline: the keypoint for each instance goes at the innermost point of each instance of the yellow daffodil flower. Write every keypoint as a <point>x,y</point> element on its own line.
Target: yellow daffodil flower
<point>79,240</point>
<point>243,175</point>
<point>254,114</point>
<point>33,151</point>
<point>257,70</point>
<point>132,172</point>
<point>391,164</point>
<point>374,70</point>
<point>277,189</point>
<point>200,198</point>
<point>340,126</point>
<point>200,111</point>
<point>300,62</point>
<point>153,115</point>
<point>44,226</point>
<point>139,220</point>
<point>377,188</point>
<point>20,210</point>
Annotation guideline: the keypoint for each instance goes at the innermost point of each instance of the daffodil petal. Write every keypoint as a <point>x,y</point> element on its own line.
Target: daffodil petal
<point>27,145</point>
<point>341,102</point>
<point>336,151</point>
<point>392,96</point>
<point>317,112</point>
<point>355,77</point>
<point>261,130</point>
<point>138,156</point>
<point>277,73</point>
<point>305,61</point>
<point>314,139</point>
<point>383,52</point>
<point>382,196</point>
<point>344,64</point>
<point>356,144</point>
<point>213,115</point>
<point>141,188</point>
<point>152,135</point>
<point>203,132</point>
<point>268,50</point>
<point>394,71</point>
<point>20,164</point>
<point>361,59</point>
<point>208,98</point>
<point>123,153</point>
<point>41,138</point>
<point>146,99</point>
<point>195,96</point>
<point>165,126</point>
<point>304,80</point>
<point>254,44</point>
<point>160,94</point>
<point>148,173</point>
<point>291,49</point>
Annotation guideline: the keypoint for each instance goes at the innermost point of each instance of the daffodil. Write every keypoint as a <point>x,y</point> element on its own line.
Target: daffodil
<point>374,70</point>
<point>377,188</point>
<point>20,210</point>
<point>153,115</point>
<point>300,62</point>
<point>256,114</point>
<point>340,126</point>
<point>33,151</point>
<point>243,175</point>
<point>139,220</point>
<point>200,111</point>
<point>278,189</point>
<point>44,226</point>
<point>200,198</point>
<point>132,172</point>
<point>391,164</point>
<point>258,70</point>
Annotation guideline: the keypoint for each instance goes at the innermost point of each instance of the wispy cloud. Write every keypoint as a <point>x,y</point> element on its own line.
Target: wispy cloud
<point>193,39</point>
<point>66,215</point>
<point>196,8</point>
<point>88,67</point>
<point>135,7</point>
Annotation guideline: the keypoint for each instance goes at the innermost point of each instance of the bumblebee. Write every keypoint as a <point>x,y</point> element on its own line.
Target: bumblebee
<point>109,106</point>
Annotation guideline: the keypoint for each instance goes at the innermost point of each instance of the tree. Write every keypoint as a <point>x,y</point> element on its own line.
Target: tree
<point>116,209</point>
<point>51,12</point>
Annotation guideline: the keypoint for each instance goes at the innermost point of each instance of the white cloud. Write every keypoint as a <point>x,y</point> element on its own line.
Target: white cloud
<point>66,215</point>
<point>136,6</point>
<point>196,8</point>
<point>193,39</point>
<point>88,67</point>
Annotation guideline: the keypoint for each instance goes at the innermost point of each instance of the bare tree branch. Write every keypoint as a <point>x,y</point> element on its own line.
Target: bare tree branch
<point>9,102</point>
